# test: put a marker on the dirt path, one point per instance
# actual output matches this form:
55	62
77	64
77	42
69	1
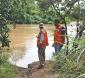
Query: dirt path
45	72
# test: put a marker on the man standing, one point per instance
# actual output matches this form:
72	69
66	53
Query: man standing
42	42
59	36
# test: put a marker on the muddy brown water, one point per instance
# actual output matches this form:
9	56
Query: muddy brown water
23	44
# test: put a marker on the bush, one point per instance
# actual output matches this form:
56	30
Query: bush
67	66
6	69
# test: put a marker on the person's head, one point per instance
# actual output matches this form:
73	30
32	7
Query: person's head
57	22
41	26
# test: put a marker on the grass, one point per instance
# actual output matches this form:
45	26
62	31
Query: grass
6	69
67	66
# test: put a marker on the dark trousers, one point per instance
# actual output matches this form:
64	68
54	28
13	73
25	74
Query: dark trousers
41	55
58	47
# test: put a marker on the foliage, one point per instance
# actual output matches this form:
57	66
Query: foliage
36	11
6	69
23	11
67	66
4	32
26	11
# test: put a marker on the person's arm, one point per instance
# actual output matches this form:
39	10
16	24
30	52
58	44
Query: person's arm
54	38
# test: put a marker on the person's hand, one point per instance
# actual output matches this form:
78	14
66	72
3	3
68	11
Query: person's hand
53	45
40	42
47	44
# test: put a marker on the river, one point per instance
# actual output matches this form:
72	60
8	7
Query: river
23	43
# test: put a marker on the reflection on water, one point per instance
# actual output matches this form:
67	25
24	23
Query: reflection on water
24	50
24	45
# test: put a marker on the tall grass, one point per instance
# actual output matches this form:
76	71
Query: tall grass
6	69
67	66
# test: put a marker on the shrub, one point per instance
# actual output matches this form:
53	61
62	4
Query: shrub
67	66
6	69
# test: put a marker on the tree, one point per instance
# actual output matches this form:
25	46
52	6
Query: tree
78	13
4	32
62	9
5	8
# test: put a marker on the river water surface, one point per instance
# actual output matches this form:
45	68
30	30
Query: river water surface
23	44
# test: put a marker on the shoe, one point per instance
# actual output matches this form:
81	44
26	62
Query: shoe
40	67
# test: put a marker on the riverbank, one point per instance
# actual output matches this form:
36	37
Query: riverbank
45	72
62	67
23	51
8	70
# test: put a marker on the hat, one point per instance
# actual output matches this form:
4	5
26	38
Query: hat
41	25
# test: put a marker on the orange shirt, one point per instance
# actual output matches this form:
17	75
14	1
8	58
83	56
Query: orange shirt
59	38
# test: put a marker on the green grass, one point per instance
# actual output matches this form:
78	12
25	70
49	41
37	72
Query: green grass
67	66
6	69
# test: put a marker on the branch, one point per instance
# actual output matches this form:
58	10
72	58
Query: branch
66	12
56	10
81	75
80	33
80	56
71	7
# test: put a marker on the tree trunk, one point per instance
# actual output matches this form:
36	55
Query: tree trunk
66	36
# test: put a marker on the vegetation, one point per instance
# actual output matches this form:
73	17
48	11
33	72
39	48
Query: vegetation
46	11
23	11
63	10
4	32
71	66
36	11
6	69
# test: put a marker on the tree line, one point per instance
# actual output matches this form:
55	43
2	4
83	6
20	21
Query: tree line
36	11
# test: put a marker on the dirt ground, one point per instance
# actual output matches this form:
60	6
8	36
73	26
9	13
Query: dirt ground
34	72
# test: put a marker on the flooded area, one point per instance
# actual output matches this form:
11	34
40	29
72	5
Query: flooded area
23	44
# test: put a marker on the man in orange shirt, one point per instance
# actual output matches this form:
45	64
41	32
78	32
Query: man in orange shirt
42	42
59	36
